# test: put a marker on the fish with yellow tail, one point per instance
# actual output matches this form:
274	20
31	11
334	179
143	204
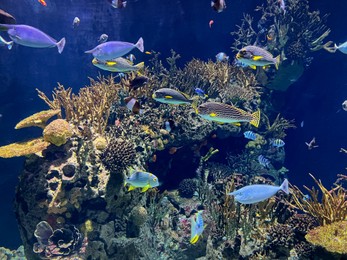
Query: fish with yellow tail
254	56
197	227
173	97
117	65
223	113
140	179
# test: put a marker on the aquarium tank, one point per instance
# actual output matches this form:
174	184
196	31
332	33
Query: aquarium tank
146	129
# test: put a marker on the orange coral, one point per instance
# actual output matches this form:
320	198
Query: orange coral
38	119
57	132
23	148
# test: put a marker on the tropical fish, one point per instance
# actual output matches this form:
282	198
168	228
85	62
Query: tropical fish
342	47
3	42
118	3
103	38
138	82
210	23
168	126
114	49
131	57
196	227
282	6
139	179
200	92
258	192
263	161
222	57
31	37
250	135
218	5
6	18
171	96
43	2
76	22
277	143
117	65
133	105
224	113
255	56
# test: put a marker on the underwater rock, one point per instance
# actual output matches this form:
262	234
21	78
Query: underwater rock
139	215
100	143
38	119
187	187
23	148
57	132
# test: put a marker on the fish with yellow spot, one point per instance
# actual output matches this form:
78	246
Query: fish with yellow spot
223	113
117	65
255	56
196	227
140	179
172	97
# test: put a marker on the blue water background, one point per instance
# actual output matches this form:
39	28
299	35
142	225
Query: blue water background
164	25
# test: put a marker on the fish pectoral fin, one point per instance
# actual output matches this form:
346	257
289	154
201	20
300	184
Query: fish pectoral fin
255	58
253	67
194	239
111	63
144	189
168	97
213	114
131	188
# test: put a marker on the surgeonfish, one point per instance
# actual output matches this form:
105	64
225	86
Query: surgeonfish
31	37
263	161
342	47
222	57
255	56
224	113
250	135
103	38
138	82
117	65
277	143
196	227
258	192
114	49
139	179
171	96
218	5
133	105
200	92
3	42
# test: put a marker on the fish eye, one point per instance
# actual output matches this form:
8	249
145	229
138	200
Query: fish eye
155	179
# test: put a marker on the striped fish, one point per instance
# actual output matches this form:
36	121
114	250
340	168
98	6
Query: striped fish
263	161
255	56
171	96
250	135
277	143
224	113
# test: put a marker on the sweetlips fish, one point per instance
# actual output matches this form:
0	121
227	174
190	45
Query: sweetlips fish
258	192
117	65
196	227
31	37
139	179
171	96
3	42
255	56
224	113
114	49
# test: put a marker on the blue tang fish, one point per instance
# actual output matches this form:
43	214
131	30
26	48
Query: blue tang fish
31	37
200	92
258	192
250	135
277	143
139	179
197	227
114	49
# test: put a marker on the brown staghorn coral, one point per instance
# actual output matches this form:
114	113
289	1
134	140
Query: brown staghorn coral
38	119
331	208
278	127
91	107
23	148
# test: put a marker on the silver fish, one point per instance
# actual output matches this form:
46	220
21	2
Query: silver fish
103	38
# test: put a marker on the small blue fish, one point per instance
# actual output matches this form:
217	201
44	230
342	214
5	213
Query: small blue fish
168	126
277	143
306	197
250	135
144	180
114	49
222	57
31	37
263	161
197	227
256	193
200	92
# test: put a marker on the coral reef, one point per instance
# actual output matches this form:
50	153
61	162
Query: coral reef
57	132
23	148
6	254
39	119
187	187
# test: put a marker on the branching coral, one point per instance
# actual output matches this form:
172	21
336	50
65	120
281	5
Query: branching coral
23	148
278	127
331	208
90	108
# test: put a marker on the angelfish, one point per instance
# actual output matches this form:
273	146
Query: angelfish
32	37
139	179
255	56
196	227
258	192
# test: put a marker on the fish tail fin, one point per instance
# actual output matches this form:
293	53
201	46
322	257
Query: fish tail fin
89	51
255	118
277	61
139	45
284	186
10	45
124	4
194	239
61	45
140	65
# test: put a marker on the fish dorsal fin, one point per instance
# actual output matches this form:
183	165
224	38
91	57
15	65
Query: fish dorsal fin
184	94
